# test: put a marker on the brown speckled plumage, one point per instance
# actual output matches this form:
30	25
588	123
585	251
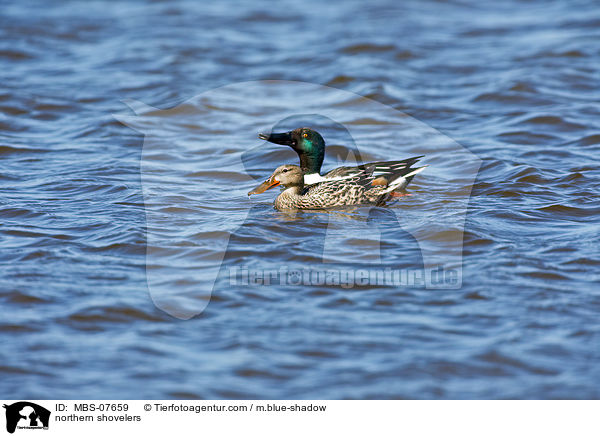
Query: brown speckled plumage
361	188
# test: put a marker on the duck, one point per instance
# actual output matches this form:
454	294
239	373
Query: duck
360	189
310	147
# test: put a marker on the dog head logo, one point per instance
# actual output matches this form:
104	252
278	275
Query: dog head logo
24	414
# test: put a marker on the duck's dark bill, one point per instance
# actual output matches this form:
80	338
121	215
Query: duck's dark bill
278	138
267	184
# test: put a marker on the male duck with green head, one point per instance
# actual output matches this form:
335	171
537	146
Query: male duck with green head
310	147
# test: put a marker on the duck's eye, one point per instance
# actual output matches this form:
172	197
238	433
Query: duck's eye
285	170
305	135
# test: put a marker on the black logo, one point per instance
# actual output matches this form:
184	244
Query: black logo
26	415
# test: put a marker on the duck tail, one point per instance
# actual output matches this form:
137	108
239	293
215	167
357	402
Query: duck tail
402	180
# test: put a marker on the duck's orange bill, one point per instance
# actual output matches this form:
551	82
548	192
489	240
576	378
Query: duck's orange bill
267	184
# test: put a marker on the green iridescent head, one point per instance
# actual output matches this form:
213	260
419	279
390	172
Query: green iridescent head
308	143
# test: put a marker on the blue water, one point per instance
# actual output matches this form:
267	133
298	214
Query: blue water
128	142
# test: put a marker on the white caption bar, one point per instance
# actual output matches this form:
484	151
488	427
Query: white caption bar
23	417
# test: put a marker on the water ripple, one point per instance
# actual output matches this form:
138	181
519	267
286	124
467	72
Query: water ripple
82	197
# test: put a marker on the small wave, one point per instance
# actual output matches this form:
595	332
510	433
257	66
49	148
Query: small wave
562	54
184	395
499	358
8	150
544	275
135	249
367	48
476	296
583	261
341	79
523	87
511	98
20	297
552	120
569	211
19	212
17	370
587	140
99	315
473	239
526	137
18	328
260	373
14	55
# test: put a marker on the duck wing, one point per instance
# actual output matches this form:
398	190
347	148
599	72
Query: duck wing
388	169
